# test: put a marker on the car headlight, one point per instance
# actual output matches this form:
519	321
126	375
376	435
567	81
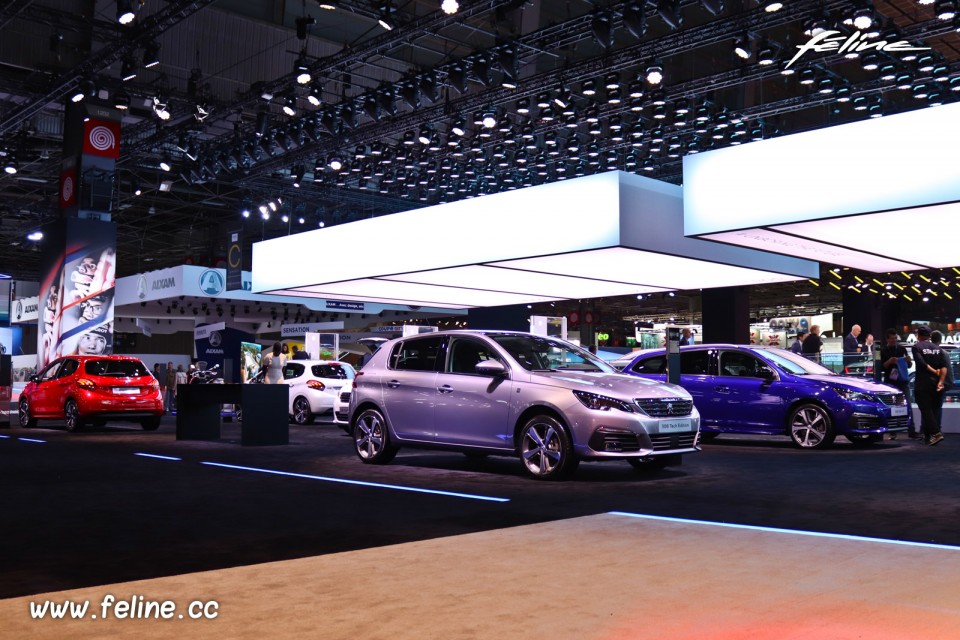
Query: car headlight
859	396
602	403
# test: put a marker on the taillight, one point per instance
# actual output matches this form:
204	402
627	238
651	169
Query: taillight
356	379
316	384
86	384
155	384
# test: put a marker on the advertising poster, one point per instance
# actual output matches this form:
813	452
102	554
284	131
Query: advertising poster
76	292
249	360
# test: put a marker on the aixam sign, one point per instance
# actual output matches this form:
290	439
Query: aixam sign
834	41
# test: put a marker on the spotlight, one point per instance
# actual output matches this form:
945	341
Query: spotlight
429	87
670	12
298	173
290	105
424	137
161	107
10	166
863	18
335	163
741	46
489	120
765	56
507	58
450	7
87	89
314	96
151	55
128	70
384	19
772	6
634	19
654	74
121	100
125	13
302	70
457	77
602	28
713	6
481	69
35	236
588	88
945	9
165	162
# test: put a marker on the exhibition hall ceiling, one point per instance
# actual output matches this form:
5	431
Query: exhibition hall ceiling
398	95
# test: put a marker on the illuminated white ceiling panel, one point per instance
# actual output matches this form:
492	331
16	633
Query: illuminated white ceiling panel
863	195
644	268
603	235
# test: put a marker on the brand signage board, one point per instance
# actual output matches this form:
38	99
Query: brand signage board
26	309
303	328
204	332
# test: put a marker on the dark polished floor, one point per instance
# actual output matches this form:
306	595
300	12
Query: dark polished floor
84	509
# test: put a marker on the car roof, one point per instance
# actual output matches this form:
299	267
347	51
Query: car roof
310	363
103	357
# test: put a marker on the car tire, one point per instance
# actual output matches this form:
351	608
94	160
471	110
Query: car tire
545	449
71	416
150	424
23	410
863	439
371	438
301	411
810	427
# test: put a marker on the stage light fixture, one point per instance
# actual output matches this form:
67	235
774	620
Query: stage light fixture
741	46
457	76
449	7
165	163
301	69
634	19
654	74
602	27
670	12
125	13
128	69
290	105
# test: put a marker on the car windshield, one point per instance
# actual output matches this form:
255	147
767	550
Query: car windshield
115	368
337	371
539	353
794	363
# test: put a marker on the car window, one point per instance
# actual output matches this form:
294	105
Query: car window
115	368
293	370
51	371
794	363
740	364
695	362
655	364
69	366
542	353
418	354
465	354
336	371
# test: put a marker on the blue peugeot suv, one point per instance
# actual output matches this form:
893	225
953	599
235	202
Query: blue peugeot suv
768	390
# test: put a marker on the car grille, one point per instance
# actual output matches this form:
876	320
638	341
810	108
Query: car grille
665	407
345	397
873	422
891	398
664	441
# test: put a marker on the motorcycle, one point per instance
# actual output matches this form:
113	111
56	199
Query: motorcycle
201	375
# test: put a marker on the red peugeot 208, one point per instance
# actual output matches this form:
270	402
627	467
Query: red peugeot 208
92	389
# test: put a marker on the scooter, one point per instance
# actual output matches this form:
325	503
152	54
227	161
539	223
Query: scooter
202	375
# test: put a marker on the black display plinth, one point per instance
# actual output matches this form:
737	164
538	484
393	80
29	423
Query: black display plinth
265	418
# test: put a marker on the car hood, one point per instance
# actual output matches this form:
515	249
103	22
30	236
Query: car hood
611	384
858	384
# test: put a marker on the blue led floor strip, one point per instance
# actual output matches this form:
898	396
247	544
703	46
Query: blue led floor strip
5	436
31	440
153	455
359	482
798	532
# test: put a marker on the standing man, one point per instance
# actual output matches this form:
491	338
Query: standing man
928	383
890	354
299	355
797	346
936	338
169	396
851	342
812	344
687	337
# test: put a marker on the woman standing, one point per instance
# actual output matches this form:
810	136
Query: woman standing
273	364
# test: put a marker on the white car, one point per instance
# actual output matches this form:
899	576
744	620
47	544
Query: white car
341	407
314	386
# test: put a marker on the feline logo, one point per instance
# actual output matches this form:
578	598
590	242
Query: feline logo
855	42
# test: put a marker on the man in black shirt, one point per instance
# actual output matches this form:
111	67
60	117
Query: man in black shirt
890	353
812	343
928	383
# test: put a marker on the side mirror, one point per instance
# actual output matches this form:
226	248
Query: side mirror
768	374
493	368
34	378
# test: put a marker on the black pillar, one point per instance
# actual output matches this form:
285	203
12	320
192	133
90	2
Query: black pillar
726	315
875	314
509	318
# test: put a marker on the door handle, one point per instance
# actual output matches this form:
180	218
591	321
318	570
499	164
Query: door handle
722	389
393	384
445	389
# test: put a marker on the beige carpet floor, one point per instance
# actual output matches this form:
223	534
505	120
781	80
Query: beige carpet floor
593	578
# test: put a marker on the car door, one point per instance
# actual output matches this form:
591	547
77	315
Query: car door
410	386
61	387
294	376
697	373
750	391
43	399
472	409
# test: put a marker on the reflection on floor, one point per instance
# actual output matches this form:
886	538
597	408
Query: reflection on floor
600	577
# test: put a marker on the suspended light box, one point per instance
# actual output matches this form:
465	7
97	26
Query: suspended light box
868	195
603	235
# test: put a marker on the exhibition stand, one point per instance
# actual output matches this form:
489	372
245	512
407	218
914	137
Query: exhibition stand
265	417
